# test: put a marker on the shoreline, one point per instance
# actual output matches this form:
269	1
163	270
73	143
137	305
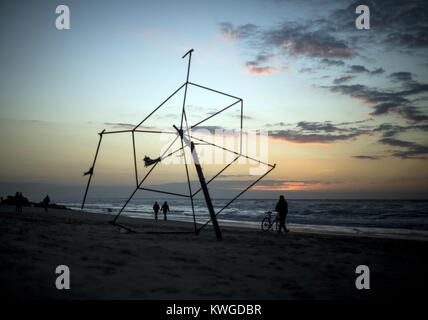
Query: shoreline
375	232
166	260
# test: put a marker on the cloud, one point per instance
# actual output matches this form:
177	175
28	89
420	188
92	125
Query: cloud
401	76
326	126
362	69
389	130
357	69
330	62
299	40
413	150
386	101
229	32
377	71
278	124
327	132
296	137
394	23
364	157
319	126
322	133
120	125
291	185
294	39
257	70
259	66
333	38
342	79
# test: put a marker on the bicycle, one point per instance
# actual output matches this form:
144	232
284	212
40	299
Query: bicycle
268	222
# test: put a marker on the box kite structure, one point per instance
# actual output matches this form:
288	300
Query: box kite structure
184	133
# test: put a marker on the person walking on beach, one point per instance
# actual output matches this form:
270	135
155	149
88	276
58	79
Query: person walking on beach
165	209
156	209
18	202
282	209
46	202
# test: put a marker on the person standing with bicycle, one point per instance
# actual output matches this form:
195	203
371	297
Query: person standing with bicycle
282	209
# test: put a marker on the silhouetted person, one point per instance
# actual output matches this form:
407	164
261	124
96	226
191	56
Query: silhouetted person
165	209
156	209
282	209
20	201
17	202
46	202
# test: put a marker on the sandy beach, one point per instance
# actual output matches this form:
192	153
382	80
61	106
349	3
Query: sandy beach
106	262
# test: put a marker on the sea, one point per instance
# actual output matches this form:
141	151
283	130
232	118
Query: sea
382	218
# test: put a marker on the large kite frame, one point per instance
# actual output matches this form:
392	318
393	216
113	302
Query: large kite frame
186	141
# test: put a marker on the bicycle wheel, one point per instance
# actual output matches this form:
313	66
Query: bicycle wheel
266	224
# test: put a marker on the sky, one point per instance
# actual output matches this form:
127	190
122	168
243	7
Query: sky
345	109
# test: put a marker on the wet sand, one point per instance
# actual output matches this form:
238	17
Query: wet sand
107	262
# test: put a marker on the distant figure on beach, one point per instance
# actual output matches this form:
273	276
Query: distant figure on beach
156	209
165	209
46	202
18	201
282	209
